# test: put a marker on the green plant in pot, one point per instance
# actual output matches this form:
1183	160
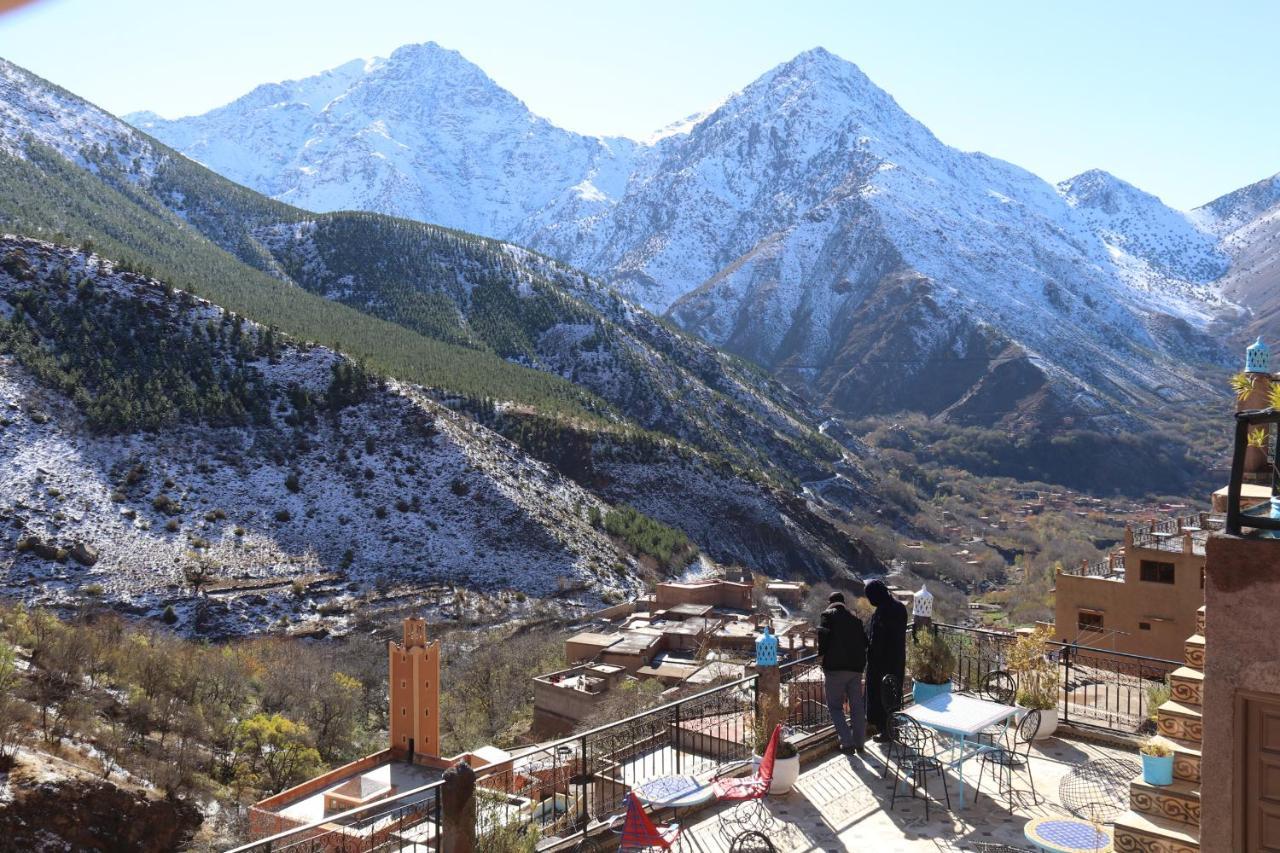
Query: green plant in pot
1039	681
932	663
1157	760
1255	453
786	761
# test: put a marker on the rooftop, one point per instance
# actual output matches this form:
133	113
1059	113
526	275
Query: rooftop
399	775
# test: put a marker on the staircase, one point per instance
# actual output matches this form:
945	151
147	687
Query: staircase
1166	819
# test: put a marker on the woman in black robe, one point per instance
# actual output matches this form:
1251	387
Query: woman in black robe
887	650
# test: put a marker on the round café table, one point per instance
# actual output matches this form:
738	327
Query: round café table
673	792
1067	835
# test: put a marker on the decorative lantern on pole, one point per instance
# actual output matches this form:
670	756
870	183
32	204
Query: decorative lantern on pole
768	684
921	609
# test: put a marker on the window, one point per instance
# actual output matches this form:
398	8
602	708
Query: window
1088	620
1156	572
1144	626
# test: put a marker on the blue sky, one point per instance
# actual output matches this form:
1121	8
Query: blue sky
1176	97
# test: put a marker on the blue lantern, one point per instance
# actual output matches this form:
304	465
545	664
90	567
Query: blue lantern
767	649
1257	358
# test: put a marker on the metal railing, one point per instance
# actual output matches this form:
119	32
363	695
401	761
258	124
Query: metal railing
1098	687
562	788
409	821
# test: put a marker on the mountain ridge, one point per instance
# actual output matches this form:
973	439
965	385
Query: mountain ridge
753	201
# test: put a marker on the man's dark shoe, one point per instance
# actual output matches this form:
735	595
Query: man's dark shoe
850	749
881	738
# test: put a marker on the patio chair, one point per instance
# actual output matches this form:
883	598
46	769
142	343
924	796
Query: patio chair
998	686
1005	760
915	760
1098	790
640	833
748	793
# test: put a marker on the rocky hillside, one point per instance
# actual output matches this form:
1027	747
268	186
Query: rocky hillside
160	452
808	223
535	350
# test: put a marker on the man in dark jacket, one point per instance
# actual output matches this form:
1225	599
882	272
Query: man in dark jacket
842	644
887	652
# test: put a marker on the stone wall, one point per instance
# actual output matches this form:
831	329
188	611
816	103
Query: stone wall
1242	652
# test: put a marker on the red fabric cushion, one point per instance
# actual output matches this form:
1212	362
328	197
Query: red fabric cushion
755	786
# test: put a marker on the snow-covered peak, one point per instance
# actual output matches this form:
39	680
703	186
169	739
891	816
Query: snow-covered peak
1138	224
1240	208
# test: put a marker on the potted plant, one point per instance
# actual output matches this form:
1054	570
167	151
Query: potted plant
932	663
786	761
1037	677
1157	761
1242	386
1255	454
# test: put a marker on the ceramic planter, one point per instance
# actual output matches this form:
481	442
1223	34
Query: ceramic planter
786	772
1157	769
921	692
1048	724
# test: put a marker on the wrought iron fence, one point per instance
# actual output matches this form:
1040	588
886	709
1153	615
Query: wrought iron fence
1111	690
409	821
804	695
563	788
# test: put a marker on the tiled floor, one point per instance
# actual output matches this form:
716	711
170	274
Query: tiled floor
842	803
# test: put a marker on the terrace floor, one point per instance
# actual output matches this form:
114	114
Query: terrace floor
842	803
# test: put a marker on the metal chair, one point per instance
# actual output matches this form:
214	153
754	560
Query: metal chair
640	833
914	761
1098	790
748	793
998	686
1006	759
752	842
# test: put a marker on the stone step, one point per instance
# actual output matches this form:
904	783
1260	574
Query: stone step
1136	831
1180	721
1187	685
1179	801
1186	760
1200	620
1193	652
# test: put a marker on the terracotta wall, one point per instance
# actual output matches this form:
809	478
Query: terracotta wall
1126	606
1242	652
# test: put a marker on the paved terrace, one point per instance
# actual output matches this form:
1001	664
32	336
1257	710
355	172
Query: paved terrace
842	803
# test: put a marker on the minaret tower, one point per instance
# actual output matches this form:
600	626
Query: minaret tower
414	681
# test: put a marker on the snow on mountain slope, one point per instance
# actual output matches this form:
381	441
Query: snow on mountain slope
394	489
422	134
31	109
1153	246
1248	222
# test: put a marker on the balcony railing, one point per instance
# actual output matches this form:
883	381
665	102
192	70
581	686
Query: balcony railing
1100	688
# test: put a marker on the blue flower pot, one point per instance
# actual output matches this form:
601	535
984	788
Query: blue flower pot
921	692
1157	769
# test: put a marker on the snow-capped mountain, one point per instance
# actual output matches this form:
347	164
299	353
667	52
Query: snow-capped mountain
800	223
422	134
